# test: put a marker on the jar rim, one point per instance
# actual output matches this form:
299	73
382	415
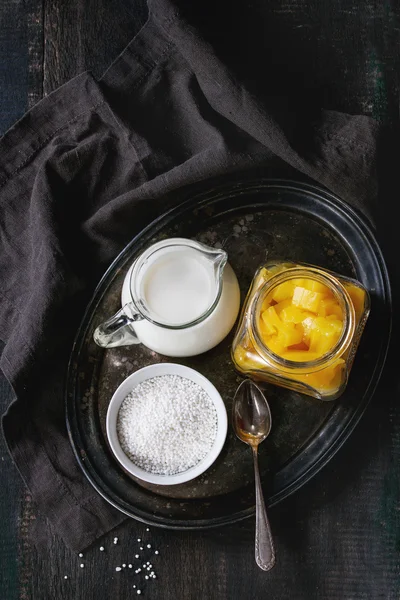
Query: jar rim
345	302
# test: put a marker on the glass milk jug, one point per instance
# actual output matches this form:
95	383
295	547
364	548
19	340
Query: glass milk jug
179	298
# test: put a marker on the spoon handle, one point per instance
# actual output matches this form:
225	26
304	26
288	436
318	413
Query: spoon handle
264	551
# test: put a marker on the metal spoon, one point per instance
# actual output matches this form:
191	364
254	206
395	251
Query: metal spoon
252	423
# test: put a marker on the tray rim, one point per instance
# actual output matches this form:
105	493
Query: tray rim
230	188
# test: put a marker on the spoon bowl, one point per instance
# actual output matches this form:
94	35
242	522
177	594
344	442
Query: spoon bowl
252	422
251	414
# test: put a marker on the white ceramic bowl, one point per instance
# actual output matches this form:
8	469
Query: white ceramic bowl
147	373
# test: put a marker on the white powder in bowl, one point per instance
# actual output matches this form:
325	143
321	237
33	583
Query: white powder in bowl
167	424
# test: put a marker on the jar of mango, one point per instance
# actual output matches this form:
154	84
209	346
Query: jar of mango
300	327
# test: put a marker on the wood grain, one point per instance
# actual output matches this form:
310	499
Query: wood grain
10	493
340	55
21	77
21	66
87	35
34	24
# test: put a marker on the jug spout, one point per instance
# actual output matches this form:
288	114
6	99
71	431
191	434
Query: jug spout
220	260
217	258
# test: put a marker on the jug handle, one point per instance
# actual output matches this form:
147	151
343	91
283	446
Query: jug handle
118	330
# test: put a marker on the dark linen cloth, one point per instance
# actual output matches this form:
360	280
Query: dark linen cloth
85	170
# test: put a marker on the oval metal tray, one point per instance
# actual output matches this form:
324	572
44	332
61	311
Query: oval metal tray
253	220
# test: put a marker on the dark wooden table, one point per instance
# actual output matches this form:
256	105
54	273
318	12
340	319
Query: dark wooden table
338	538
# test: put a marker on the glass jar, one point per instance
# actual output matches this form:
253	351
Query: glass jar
324	376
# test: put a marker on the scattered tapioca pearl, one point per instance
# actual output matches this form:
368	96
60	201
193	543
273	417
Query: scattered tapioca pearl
146	568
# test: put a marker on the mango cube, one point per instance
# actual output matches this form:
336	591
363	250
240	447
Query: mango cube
282	291
315	286
289	335
303	298
266	304
271	320
308	325
330	306
282	305
264	330
324	335
276	345
291	314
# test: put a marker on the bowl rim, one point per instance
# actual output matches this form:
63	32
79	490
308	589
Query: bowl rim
155	370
